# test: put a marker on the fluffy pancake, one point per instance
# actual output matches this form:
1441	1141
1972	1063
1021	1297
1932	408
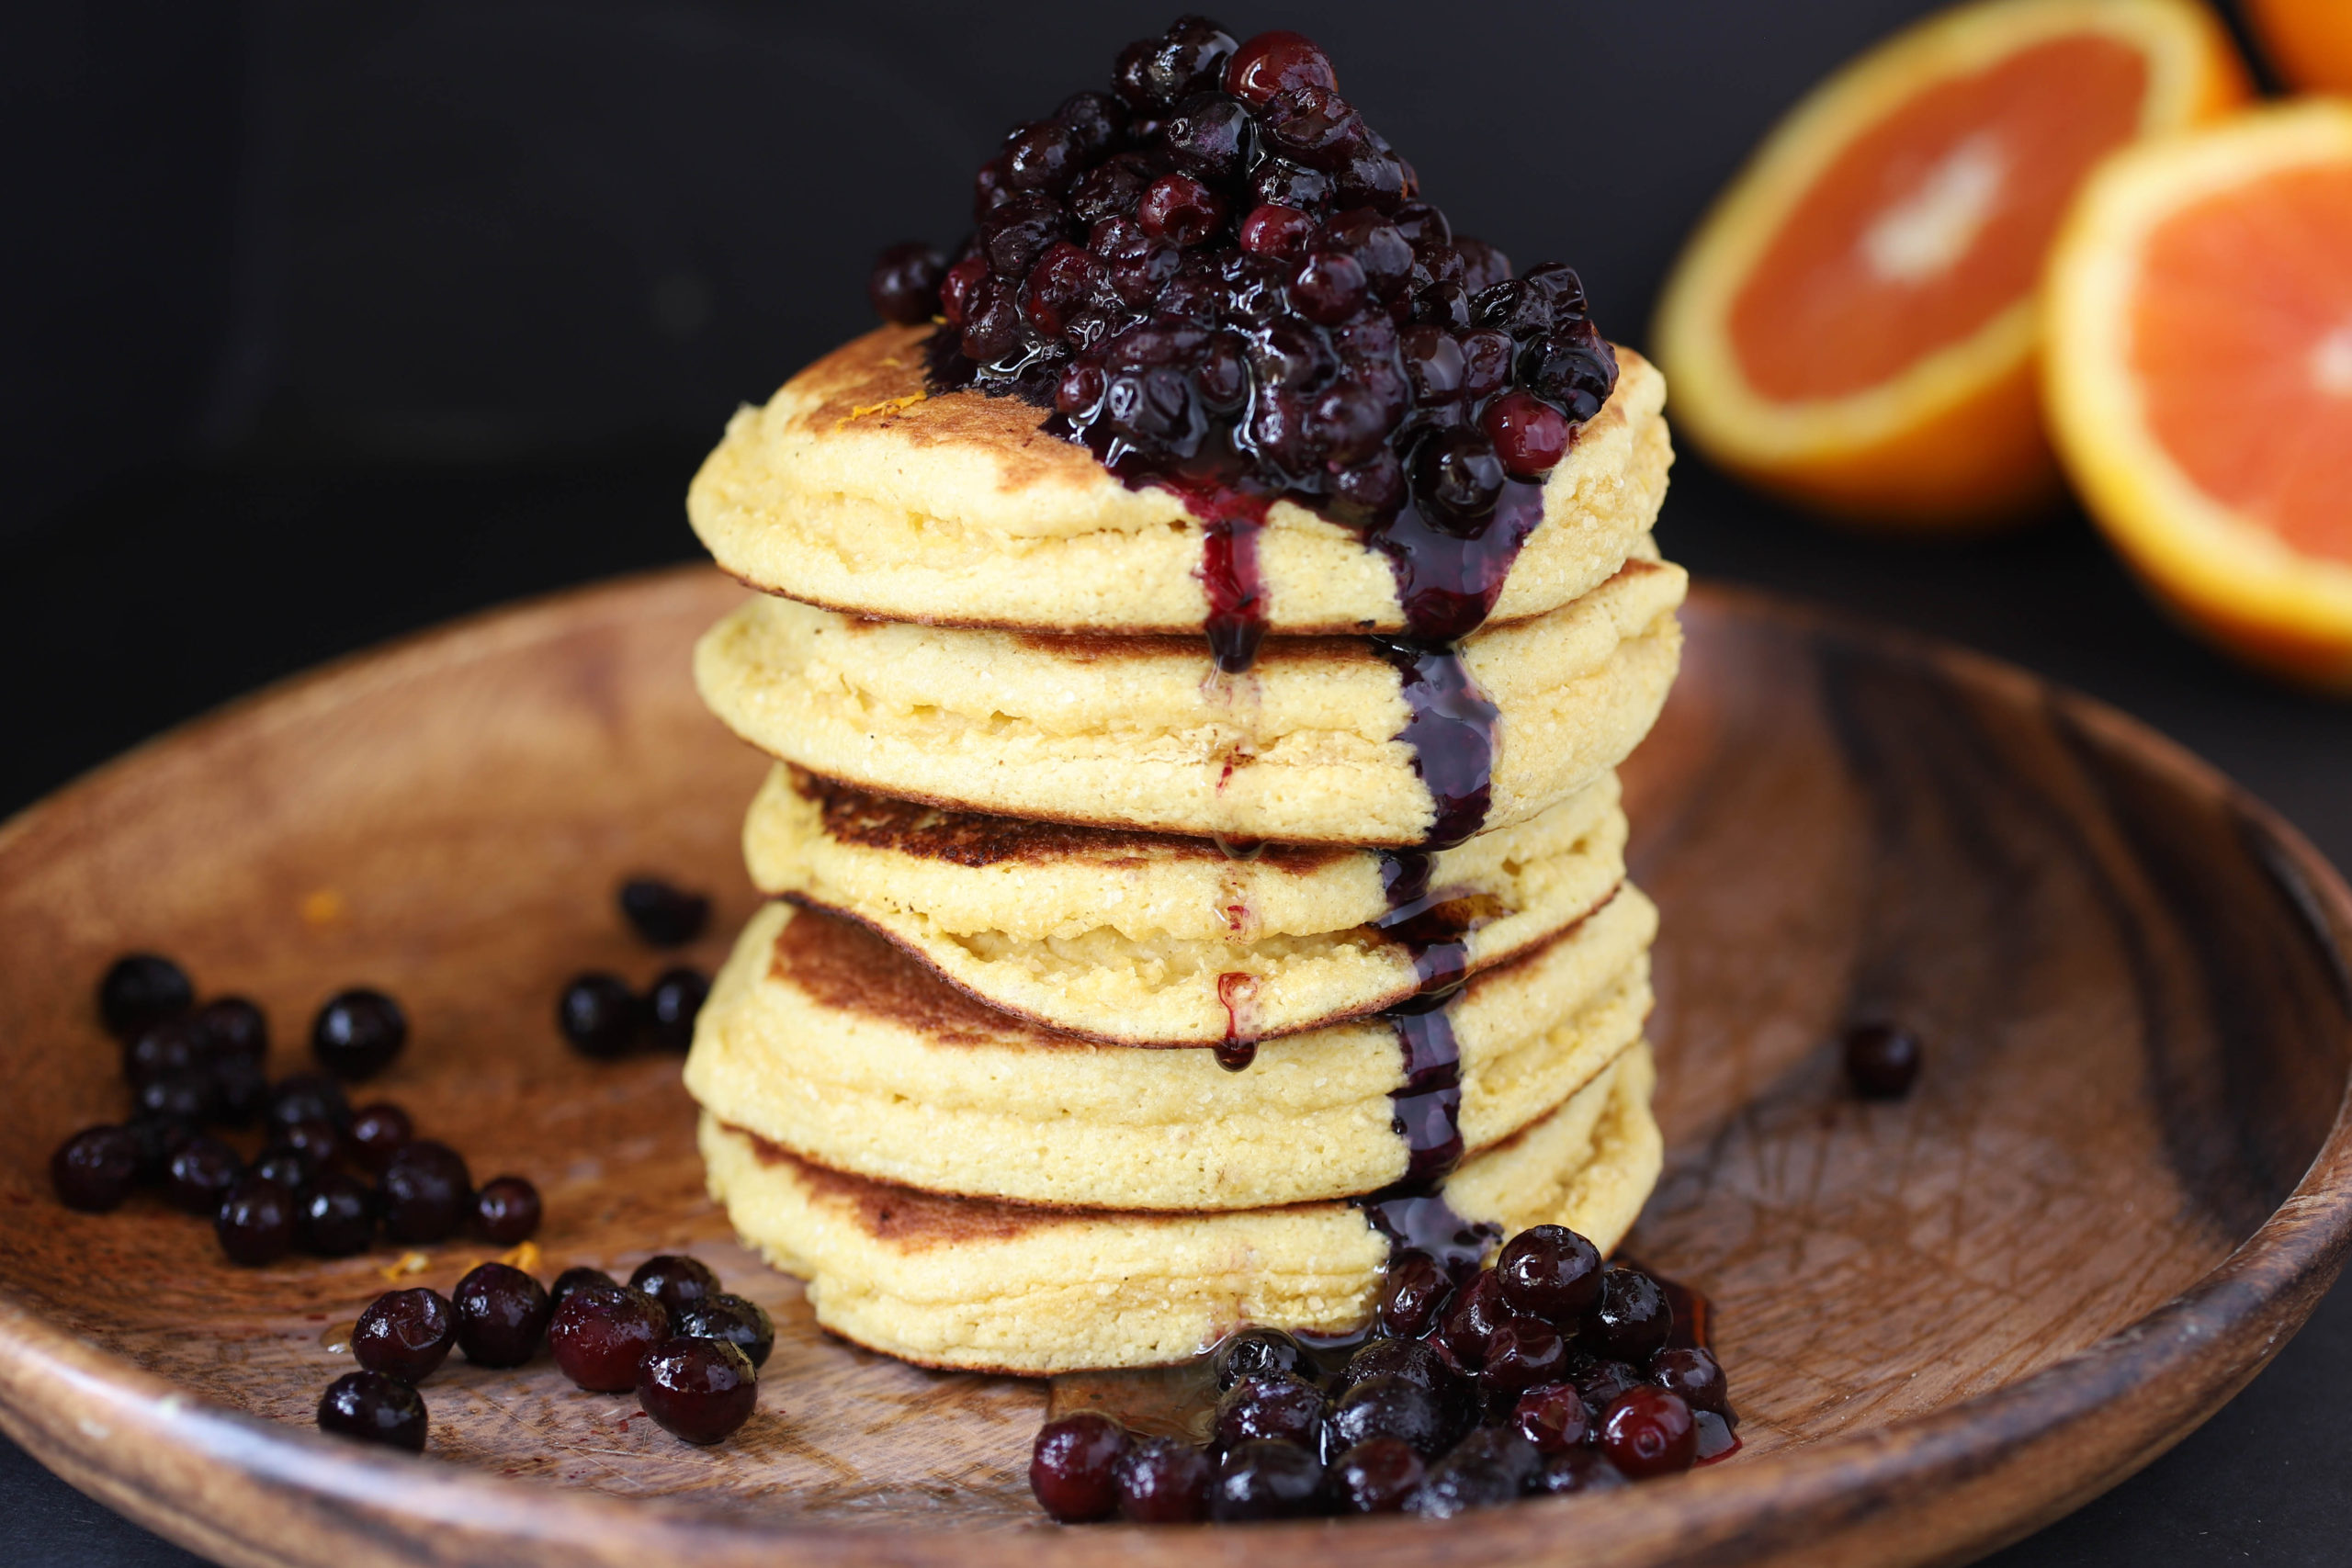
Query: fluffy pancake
1141	733
1154	939
998	1286
958	510
827	1041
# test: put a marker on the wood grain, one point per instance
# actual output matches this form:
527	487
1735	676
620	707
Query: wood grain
2123	1181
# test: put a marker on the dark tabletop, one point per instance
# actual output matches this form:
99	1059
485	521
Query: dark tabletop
391	320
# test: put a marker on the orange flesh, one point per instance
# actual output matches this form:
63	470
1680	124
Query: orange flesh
1816	320
2242	346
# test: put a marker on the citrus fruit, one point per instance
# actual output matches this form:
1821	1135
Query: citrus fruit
2310	41
2199	378
1853	324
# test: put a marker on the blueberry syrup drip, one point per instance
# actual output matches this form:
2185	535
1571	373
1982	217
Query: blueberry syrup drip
1448	576
1426	1107
1233	992
1237	618
1450	728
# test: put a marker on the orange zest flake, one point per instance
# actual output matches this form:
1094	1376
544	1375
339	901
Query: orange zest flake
526	1258
888	405
405	1264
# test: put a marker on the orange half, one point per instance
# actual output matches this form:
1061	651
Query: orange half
2310	41
1853	324
2199	378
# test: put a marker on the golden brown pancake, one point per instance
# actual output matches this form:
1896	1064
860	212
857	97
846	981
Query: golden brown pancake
990	1286
1143	733
828	1041
1159	939
856	490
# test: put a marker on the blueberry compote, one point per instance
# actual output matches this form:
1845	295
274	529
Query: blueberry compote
1224	282
1548	1371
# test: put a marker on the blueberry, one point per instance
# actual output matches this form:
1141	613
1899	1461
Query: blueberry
358	1034
142	989
374	1408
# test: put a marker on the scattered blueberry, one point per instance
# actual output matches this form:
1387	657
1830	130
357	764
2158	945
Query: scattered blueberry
1378	1476
95	1169
677	1283
158	1139
1280	1405
671	1006
335	1215
231	1028
600	1015
1552	1416
1648	1431
405	1334
424	1193
1550	1272
601	1334
140	989
1881	1060
374	1408
1163	1481
1695	1375
1486	1469
1415	1291
1394	1407
309	1097
198	1174
698	1390
575	1278
506	1210
312	1138
1632	1318
1073	1466
358	1034
255	1221
187	1095
1255	1353
291	1167
502	1315
378	1131
742	1324
1266	1479
662	915
167	1046
1577	1470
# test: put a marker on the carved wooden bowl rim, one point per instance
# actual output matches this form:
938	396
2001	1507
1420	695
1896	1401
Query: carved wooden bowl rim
1945	1486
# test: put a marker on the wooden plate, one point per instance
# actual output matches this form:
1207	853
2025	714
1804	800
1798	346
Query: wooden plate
2122	1183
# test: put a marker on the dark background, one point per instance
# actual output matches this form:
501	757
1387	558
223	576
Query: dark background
323	323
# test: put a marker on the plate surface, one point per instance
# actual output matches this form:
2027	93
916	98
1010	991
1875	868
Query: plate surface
2123	1181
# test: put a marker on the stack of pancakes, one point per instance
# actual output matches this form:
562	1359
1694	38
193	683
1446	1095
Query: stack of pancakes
1108	1000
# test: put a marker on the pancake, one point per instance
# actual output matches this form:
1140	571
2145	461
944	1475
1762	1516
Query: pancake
998	1286
1141	733
827	1041
957	510
1155	940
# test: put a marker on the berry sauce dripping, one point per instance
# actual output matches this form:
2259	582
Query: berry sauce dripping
1235	1053
1426	1107
1450	728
